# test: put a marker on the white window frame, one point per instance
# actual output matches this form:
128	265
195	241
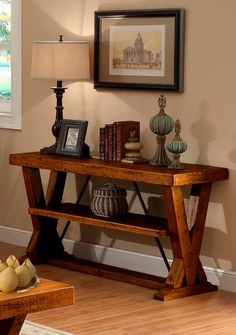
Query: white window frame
12	119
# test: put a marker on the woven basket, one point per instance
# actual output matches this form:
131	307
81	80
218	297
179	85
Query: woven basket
109	201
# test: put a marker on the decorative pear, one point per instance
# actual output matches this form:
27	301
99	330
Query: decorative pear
12	261
31	267
3	266
8	280
23	274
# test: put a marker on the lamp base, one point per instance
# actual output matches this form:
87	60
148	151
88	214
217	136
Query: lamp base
85	153
49	150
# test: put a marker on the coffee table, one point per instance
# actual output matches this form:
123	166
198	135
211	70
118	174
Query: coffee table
15	306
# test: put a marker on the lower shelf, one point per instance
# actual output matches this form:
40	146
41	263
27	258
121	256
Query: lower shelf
133	223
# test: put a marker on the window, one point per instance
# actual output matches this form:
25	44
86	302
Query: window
10	64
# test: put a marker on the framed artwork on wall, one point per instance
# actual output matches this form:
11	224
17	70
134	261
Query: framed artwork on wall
71	138
139	49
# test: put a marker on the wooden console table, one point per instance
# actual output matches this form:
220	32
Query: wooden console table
14	307
186	275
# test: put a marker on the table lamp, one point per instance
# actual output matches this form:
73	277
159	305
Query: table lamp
60	60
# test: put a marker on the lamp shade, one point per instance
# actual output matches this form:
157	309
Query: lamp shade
67	60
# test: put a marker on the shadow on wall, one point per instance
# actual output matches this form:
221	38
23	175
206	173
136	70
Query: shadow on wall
205	132
219	235
223	239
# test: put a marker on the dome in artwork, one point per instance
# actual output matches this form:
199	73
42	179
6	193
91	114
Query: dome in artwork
138	40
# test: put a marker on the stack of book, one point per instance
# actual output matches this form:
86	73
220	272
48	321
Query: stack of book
113	137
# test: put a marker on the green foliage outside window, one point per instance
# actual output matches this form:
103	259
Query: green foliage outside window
5	20
5	54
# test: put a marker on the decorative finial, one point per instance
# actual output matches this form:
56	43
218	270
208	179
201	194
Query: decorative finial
177	128
177	146
161	124
162	102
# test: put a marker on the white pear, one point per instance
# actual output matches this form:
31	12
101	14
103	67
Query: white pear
12	261
8	280
31	267
24	275
3	266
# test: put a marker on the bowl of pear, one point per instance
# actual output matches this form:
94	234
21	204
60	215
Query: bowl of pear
15	277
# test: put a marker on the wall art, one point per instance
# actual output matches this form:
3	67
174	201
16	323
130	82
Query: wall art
140	49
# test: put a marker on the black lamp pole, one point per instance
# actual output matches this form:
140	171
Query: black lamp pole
59	91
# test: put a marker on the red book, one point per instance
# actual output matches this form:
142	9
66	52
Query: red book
106	142
123	129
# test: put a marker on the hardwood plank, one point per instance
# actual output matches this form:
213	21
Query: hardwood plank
108	307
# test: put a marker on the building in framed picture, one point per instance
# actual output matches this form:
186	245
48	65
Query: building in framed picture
137	50
138	56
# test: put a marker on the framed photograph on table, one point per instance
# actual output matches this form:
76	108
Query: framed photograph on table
141	49
71	138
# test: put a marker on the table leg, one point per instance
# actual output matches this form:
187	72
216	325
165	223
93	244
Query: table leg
186	275
203	192
45	241
12	326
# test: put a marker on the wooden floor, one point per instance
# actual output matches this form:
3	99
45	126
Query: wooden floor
107	307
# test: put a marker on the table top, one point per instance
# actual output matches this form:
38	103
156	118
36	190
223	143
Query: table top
191	174
47	294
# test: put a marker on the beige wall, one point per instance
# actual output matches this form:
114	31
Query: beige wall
207	110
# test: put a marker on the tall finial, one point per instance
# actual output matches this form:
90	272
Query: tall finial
162	103
161	124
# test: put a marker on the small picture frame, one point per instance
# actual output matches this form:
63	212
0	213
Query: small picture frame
71	138
139	49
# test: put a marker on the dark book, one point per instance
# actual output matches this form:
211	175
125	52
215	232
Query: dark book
114	142
110	142
108	138
123	129
106	142
101	143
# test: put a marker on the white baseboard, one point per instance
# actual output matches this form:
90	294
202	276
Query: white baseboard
121	258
